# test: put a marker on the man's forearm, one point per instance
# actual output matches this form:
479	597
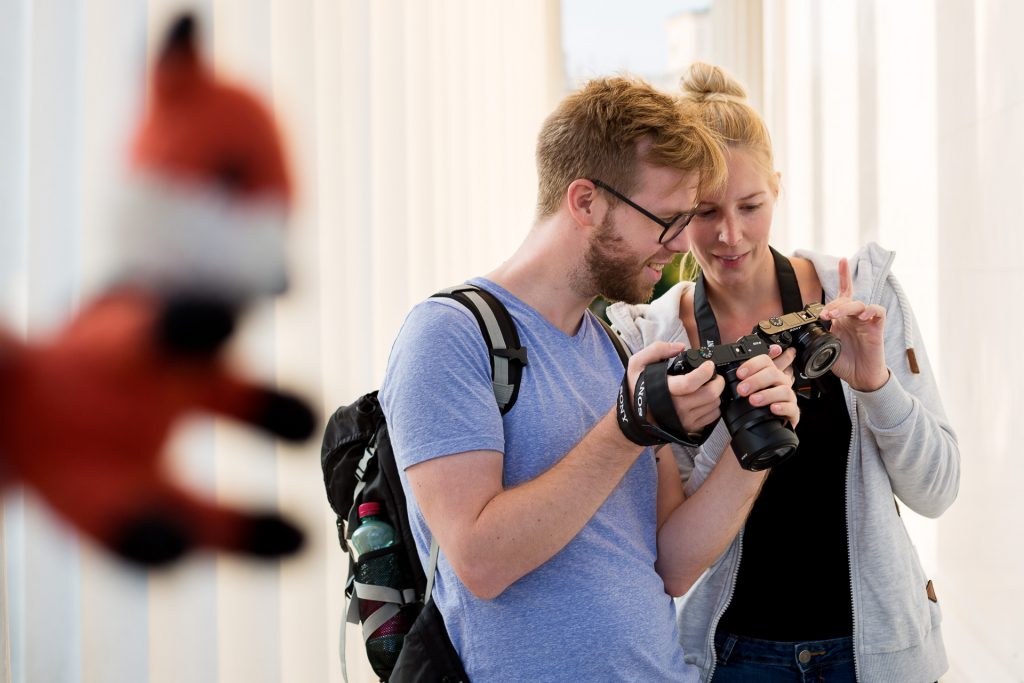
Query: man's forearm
522	527
701	528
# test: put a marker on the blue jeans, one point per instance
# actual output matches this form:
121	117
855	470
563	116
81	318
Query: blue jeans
748	660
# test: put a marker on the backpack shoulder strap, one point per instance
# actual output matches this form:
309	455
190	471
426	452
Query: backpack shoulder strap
508	357
620	346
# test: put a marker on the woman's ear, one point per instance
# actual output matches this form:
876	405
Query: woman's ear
778	183
584	206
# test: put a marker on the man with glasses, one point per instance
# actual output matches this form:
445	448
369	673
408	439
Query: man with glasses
561	535
670	228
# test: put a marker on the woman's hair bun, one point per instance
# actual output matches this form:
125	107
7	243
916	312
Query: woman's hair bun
708	83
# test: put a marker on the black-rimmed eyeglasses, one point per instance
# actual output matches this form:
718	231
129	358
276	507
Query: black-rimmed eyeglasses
670	229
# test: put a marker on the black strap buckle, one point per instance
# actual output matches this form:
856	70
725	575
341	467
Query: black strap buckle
518	354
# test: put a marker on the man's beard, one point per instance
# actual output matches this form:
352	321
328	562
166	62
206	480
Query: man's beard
610	271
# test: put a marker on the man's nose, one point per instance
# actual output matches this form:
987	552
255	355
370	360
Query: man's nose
679	243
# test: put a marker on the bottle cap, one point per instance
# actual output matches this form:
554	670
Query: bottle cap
367	509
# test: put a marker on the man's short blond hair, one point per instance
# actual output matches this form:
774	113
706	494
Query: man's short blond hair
596	132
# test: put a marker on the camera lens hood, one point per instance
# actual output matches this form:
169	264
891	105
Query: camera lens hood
759	438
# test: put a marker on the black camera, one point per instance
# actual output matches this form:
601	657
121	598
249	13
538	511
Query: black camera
759	438
816	348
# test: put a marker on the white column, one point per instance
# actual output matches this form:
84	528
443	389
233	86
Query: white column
15	79
737	43
49	647
980	96
935	143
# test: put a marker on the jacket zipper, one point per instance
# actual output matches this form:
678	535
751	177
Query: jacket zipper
721	612
876	294
854	438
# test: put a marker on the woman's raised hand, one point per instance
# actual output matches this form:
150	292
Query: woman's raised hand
860	327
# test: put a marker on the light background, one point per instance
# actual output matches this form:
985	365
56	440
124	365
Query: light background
411	125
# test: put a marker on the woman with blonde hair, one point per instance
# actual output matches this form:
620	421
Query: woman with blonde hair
822	583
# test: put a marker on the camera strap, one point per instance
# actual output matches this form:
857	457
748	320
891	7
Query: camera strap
707	325
634	426
651	394
789	291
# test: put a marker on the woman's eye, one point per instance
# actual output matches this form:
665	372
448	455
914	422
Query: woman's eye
704	213
750	207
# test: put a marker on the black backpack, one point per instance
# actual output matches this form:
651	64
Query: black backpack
359	466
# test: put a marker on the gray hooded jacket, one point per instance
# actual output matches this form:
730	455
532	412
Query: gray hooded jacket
901	446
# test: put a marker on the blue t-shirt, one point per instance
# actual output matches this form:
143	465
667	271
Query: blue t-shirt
597	610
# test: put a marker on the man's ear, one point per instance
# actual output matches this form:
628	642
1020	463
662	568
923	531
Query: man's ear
585	206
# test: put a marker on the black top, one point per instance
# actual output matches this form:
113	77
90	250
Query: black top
794	576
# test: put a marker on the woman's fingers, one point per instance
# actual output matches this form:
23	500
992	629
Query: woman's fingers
843	308
871	312
766	384
845	281
784	361
773	394
787	410
759	373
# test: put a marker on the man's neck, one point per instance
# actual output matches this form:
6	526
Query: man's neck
539	273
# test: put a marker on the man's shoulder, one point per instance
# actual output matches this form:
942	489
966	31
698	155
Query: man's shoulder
438	317
437	330
437	394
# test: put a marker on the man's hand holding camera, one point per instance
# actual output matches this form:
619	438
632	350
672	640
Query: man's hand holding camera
696	395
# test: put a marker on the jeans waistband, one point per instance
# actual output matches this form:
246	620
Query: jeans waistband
801	655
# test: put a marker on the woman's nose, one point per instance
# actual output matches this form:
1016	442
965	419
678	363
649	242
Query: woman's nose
729	232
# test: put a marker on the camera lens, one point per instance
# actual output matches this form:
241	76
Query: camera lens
767	458
820	362
759	438
817	349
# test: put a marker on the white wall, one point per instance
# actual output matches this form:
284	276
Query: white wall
901	122
981	221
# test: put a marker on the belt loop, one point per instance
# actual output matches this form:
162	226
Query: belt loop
725	651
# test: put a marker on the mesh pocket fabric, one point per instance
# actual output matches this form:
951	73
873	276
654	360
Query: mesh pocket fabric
385	568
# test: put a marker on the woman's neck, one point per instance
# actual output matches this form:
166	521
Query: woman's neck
740	306
757	296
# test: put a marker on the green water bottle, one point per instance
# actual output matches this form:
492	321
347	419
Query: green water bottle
373	533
